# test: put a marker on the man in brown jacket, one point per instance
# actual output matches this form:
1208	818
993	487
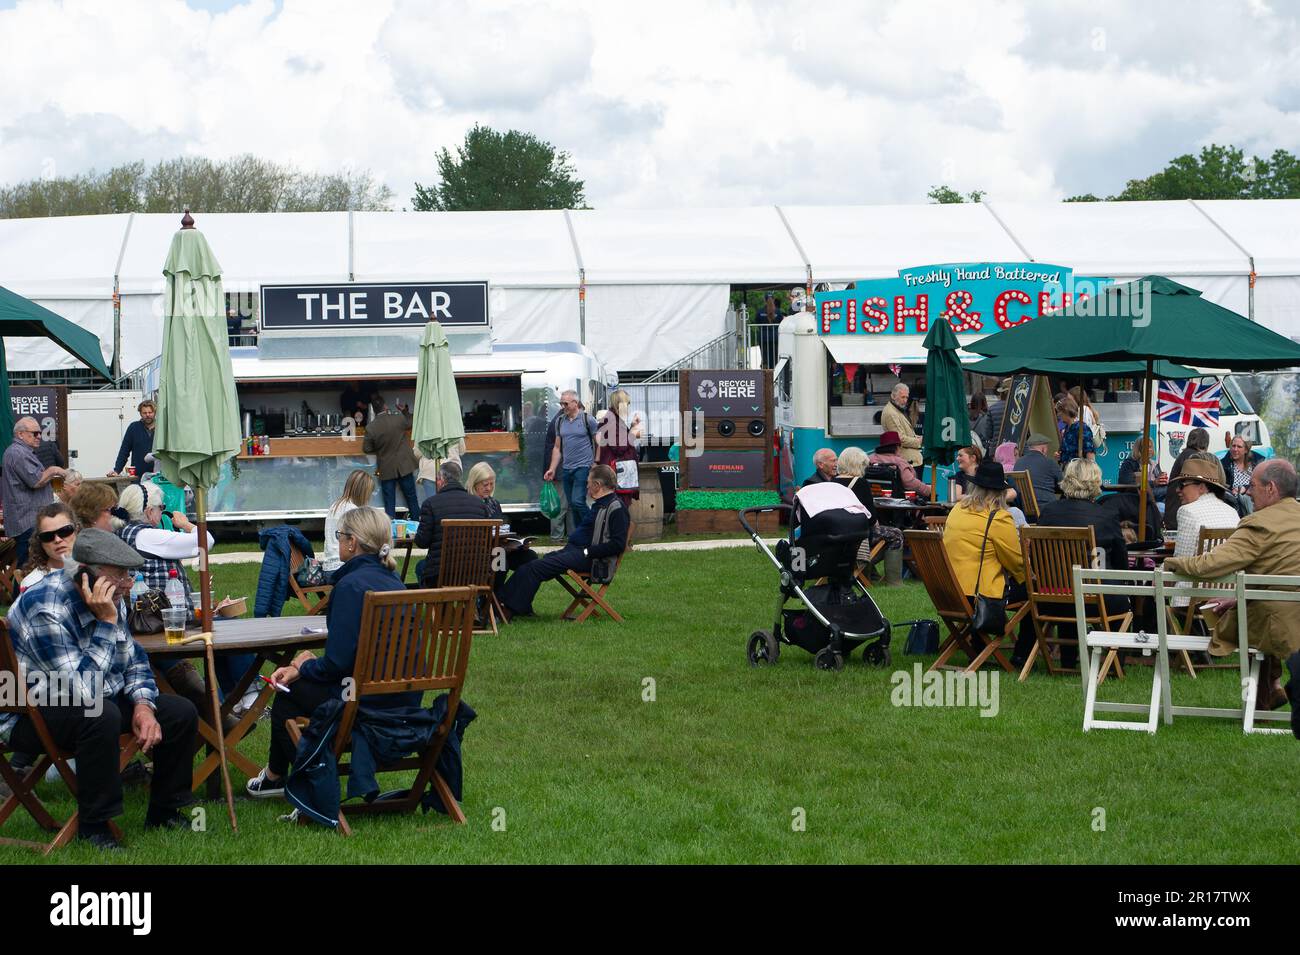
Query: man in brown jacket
1265	542
894	418
388	441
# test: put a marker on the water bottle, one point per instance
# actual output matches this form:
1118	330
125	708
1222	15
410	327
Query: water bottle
138	589
175	590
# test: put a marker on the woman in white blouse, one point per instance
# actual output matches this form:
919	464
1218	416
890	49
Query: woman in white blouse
357	491
1200	488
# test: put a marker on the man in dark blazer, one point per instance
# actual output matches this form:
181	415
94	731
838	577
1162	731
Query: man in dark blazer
452	502
388	440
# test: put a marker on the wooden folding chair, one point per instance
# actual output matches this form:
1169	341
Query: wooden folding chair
1026	500
9	577
954	607
935	522
1051	554
23	788
587	600
411	640
314	599
465	560
867	561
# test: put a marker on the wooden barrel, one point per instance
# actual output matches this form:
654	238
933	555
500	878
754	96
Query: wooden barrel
647	511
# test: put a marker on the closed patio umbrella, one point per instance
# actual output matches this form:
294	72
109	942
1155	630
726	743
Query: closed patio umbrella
947	425
197	429
437	426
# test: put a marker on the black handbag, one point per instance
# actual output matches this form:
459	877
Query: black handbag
922	638
145	613
990	615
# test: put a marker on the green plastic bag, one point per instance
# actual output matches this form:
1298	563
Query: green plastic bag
550	501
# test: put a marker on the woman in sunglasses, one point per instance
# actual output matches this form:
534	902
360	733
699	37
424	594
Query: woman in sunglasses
56	532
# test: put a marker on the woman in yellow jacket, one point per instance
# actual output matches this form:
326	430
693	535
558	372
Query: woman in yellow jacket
965	541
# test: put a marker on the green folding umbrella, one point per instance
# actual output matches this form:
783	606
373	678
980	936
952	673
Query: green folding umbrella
947	425
197	428
21	318
437	427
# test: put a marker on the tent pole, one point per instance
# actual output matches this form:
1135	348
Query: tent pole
205	575
1146	453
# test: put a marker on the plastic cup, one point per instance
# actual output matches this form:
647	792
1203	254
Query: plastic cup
174	624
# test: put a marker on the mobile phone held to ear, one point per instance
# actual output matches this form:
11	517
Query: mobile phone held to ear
86	577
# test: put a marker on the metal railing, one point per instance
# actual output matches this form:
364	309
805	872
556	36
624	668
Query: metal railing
763	338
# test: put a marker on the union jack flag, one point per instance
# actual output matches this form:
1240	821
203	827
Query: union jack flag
1187	402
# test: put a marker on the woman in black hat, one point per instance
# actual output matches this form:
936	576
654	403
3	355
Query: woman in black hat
983	545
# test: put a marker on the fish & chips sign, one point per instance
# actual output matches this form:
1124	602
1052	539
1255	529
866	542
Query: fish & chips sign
976	299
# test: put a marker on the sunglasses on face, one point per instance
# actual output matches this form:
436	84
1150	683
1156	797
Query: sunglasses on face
45	537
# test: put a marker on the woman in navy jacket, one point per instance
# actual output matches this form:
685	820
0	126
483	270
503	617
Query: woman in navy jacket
365	543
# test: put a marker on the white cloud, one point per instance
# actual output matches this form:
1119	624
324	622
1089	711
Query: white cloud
675	103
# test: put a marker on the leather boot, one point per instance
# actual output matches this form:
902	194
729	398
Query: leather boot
893	567
1271	694
187	682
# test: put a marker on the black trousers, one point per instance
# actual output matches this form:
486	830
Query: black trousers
93	742
514	560
518	592
301	700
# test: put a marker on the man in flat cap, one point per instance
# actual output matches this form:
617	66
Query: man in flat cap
70	629
1044	473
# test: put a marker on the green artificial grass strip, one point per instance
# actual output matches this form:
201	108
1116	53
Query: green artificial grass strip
654	741
725	500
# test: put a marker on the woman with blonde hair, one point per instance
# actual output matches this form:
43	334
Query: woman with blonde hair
365	545
617	441
983	545
850	468
1067	413
482	482
72	481
357	492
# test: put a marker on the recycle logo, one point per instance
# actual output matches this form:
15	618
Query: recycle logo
707	389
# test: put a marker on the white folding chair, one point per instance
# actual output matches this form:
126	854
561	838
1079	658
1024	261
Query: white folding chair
1157	585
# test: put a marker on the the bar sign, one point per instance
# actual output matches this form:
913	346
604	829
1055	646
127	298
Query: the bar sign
372	307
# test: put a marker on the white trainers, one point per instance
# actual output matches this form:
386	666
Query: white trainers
259	787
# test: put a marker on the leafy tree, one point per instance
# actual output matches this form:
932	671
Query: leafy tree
1085	197
510	170
1220	172
945	194
241	184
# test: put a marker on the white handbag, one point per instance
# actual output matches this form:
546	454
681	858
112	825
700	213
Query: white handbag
627	476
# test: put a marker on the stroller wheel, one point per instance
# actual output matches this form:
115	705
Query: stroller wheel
877	655
828	659
763	648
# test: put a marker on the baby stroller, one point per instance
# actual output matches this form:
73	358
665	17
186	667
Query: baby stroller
827	523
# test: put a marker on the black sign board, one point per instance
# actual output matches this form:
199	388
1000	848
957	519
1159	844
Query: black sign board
729	469
370	308
48	404
728	394
1015	419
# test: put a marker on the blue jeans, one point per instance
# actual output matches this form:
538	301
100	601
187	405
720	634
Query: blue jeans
574	482
427	490
231	668
389	491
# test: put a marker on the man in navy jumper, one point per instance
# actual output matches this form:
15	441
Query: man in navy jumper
137	443
518	591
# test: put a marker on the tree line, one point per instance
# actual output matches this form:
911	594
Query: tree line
513	170
1219	172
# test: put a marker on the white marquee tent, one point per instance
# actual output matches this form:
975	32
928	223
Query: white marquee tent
657	281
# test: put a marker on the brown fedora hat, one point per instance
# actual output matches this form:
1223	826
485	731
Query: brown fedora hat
1202	471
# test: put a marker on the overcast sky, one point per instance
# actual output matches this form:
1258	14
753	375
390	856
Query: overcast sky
663	103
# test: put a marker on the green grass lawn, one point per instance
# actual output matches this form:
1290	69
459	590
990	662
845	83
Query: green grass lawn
723	762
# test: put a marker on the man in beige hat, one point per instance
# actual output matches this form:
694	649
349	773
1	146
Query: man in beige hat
1265	542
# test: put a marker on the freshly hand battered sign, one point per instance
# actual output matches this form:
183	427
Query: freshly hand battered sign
974	298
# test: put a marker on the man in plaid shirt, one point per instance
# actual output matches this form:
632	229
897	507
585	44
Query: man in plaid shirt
65	627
